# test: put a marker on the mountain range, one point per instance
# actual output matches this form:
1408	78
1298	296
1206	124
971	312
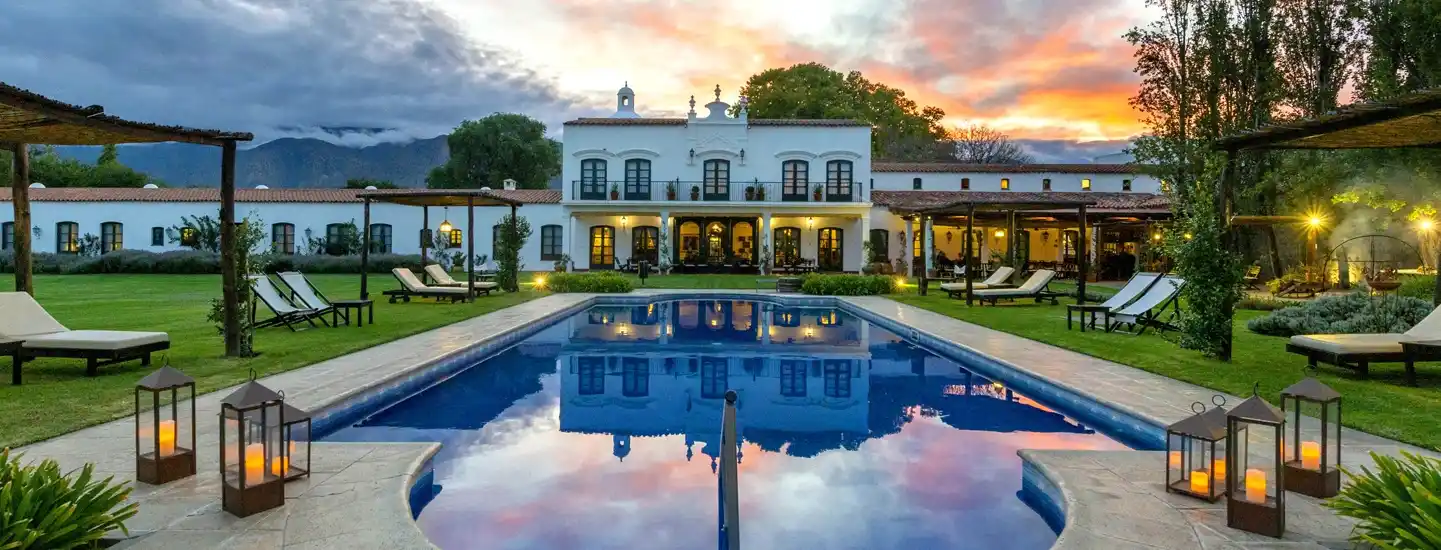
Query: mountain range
309	162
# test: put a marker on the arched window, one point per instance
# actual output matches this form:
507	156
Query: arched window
795	179
337	239
788	245
1125	185
67	238
839	180
7	236
637	180
112	237
965	184
282	238
592	179
1046	184
157	236
602	247
380	238
717	180
644	241
830	256
880	246
550	243
916	184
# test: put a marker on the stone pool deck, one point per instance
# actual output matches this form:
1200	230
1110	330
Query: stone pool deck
357	497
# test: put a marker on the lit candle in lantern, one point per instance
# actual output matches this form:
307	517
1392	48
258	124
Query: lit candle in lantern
1176	459
280	465
1200	481
1218	468
254	463
167	437
1310	455
1255	485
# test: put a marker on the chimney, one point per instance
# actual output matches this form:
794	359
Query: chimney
509	184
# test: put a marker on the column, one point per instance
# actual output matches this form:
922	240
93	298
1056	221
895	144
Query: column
866	236
574	237
765	240
667	254
908	250
928	246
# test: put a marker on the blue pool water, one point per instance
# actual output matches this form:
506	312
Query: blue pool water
602	431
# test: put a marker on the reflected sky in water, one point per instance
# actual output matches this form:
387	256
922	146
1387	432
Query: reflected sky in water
602	431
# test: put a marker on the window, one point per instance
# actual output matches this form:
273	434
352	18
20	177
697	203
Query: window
880	245
157	236
67	238
282	238
965	183
637	180
828	250
635	377
643	242
591	373
602	247
795	178
788	245
112	237
716	186
1046	184
7	236
337	239
838	378
1125	185
916	184
550	243
380	238
712	377
1086	184
838	180
793	378
592	179
1005	184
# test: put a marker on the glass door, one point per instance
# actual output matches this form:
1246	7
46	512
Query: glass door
829	250
602	247
643	244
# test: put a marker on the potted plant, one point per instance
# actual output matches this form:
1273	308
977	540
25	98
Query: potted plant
561	263
760	193
614	192
695	192
670	190
750	193
817	193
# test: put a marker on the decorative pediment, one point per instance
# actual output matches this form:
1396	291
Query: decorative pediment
839	155
593	153
795	155
638	153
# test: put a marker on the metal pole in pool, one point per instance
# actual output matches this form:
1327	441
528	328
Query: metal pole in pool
730	497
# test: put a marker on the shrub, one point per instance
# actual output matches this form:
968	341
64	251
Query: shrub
1398	505
1354	313
41	508
596	281
1261	303
847	285
379	263
1421	287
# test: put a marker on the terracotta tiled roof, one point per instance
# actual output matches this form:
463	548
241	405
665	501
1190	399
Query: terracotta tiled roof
1103	201
957	167
211	194
681	122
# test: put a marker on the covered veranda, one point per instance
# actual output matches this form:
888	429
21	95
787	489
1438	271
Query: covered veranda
468	199
28	118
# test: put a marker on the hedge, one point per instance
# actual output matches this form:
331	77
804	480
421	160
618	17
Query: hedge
847	285
597	281
1354	313
196	262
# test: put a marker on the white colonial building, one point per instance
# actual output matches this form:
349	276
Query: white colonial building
710	192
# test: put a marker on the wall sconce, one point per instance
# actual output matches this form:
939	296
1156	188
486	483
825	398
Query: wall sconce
743	156
810	223
624	221
692	155
1045	237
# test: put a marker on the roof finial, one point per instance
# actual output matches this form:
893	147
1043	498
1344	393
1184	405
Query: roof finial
627	84
717	92
692	104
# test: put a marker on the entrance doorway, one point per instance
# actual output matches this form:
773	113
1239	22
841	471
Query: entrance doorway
716	245
602	247
830	256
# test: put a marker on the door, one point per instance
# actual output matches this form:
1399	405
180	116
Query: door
717	184
829	250
602	247
643	241
592	179
840	177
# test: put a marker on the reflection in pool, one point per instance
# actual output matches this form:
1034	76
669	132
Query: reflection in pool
602	431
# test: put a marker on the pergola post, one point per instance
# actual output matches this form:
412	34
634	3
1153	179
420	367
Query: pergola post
514	230
228	277
470	249
424	242
365	254
1011	245
1083	254
1228	241
20	201
970	244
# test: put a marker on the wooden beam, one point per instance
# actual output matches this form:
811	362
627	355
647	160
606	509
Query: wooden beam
20	201
970	249
1083	257
230	295
90	117
470	248
424	243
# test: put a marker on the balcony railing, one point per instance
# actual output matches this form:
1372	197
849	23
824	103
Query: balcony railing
702	191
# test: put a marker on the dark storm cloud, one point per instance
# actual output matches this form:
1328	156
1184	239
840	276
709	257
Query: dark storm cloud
272	67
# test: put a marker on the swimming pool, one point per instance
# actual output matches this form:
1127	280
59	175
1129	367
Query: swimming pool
602	431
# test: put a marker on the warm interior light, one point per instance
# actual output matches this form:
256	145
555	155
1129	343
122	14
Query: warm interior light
1187	236
1000	233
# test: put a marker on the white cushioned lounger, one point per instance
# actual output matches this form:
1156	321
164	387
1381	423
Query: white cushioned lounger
23	318
1031	287
413	284
1371	344
1001	275
443	279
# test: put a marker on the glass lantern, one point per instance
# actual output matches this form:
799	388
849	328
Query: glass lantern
164	433
289	460
1312	465
249	449
1255	477
1195	448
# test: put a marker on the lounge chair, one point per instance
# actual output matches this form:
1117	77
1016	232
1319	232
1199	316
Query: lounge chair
1253	277
1034	287
22	318
303	293
443	279
1358	351
286	312
410	285
1151	309
1138	285
996	280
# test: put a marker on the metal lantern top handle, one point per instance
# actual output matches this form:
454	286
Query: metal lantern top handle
1218	400
1256	389
1309	370
1198	407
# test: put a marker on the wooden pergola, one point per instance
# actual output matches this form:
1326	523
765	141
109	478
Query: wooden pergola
27	118
1408	121
426	198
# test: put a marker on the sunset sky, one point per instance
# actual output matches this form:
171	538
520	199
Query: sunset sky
1055	70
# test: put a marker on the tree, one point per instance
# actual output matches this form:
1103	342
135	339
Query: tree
108	155
1319	50
486	152
362	183
904	130
982	144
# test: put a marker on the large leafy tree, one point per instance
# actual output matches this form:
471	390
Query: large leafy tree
904	129
486	152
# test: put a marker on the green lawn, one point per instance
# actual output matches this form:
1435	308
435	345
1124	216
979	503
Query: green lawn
1380	405
57	397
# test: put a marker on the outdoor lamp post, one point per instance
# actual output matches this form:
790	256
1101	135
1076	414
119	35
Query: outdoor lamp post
160	431
248	450
1311	466
1255	478
1193	465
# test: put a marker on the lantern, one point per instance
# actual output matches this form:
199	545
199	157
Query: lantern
1194	467
248	450
294	462
427	238
445	226
1255	478
163	431
1311	465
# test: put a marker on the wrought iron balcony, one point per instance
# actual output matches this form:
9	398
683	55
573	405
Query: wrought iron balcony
715	191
